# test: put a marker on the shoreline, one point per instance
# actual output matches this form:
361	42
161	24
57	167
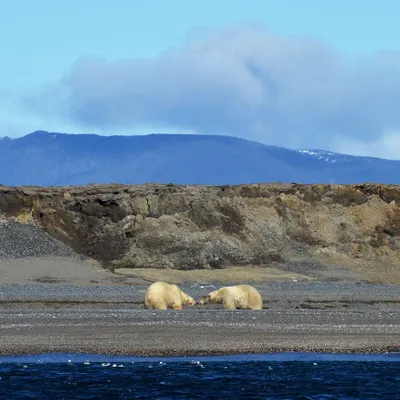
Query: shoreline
328	351
192	332
62	305
287	356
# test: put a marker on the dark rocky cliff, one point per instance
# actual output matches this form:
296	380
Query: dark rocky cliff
191	227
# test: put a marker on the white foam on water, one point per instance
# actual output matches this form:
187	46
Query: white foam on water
106	360
198	363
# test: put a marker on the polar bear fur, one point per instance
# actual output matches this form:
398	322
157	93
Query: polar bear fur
233	297
162	295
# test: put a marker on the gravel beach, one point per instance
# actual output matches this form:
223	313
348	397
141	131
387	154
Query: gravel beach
197	332
312	317
53	300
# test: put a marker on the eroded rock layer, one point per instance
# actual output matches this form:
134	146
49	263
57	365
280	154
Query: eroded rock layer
191	227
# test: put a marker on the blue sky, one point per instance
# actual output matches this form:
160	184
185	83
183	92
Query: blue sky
292	73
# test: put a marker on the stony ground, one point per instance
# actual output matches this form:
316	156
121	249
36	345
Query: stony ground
284	295
51	299
25	240
206	332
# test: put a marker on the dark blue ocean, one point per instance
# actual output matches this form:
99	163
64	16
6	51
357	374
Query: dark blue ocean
274	376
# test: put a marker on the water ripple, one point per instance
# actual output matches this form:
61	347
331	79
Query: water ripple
298	376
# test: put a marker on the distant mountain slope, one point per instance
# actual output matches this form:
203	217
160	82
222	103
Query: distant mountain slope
44	158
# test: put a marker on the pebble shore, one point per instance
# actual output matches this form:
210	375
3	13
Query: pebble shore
53	300
190	333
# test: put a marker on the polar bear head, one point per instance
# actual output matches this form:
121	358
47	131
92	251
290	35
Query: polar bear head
188	300
212	297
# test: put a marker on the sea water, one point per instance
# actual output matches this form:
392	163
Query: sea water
271	376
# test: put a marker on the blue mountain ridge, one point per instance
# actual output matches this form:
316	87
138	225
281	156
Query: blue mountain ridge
47	158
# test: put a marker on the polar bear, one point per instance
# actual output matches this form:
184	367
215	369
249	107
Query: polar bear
162	295
233	297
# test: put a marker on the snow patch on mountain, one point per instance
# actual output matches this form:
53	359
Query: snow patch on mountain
327	156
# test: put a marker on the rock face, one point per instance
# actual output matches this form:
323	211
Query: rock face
191	227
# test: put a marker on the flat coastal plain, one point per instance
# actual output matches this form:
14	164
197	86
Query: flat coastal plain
53	300
69	304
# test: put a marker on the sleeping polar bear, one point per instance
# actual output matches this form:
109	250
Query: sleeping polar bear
233	297
161	296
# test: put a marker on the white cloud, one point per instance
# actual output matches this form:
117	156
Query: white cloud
244	81
385	146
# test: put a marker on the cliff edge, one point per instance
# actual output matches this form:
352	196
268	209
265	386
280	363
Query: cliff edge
307	229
